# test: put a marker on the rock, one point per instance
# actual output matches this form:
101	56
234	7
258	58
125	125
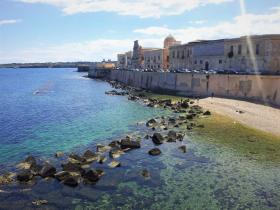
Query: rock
74	158
71	181
113	144
59	154
101	159
116	153
91	176
35	169
27	163
172	120
185	104
62	175
101	148
145	173
147	136
200	126
157	138
24	176
155	151
126	143
180	136
47	171
90	156
171	136
207	113
72	167
183	148
114	164
39	202
189	116
151	123
7	178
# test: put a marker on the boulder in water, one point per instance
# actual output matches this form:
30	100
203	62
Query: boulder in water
157	138
155	151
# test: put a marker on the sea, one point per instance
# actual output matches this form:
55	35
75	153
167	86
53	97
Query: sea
43	111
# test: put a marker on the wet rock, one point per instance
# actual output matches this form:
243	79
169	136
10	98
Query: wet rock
47	171
115	153
189	116
207	113
183	148
72	167
101	148
27	163
71	181
172	120
7	178
24	176
62	175
201	126
114	164
74	158
157	138
145	173
129	144
147	136
59	154
113	144
90	156
39	202
155	151
101	159
35	169
171	136
132	98
91	176
151	123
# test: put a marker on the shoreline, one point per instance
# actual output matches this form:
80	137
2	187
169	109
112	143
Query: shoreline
257	116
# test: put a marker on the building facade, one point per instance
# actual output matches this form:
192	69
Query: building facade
245	54
124	60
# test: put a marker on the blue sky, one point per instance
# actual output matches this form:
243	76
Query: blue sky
90	30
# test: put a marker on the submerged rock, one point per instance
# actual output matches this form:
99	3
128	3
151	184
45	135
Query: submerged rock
115	153
74	158
114	164
47	171
157	138
59	154
91	176
171	136
39	202
155	151
71	181
27	163
183	148
90	156
62	175
101	159
145	173
102	148
24	176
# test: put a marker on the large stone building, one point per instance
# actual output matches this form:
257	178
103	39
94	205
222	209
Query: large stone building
158	59
245	54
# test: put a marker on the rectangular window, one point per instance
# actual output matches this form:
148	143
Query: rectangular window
248	51
257	49
173	54
159	58
178	54
201	62
195	62
239	49
231	48
220	61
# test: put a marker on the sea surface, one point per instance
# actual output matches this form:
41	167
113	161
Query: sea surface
42	111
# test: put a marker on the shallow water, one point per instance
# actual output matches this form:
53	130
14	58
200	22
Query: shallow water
227	165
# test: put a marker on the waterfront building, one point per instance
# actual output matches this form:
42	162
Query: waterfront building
124	60
245	54
158	58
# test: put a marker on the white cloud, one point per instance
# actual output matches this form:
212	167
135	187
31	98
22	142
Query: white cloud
239	26
141	8
85	51
10	21
198	22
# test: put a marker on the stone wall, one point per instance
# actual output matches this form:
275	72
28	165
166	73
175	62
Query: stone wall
263	89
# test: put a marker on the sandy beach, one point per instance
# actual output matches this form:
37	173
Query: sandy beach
258	116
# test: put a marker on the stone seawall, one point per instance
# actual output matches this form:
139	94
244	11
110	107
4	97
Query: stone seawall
263	89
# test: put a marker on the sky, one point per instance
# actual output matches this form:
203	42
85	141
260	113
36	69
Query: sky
92	30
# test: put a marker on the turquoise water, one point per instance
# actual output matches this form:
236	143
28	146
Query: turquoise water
46	110
226	166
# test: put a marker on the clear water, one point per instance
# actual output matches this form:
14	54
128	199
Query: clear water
227	165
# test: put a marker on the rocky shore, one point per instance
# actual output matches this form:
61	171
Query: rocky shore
73	169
